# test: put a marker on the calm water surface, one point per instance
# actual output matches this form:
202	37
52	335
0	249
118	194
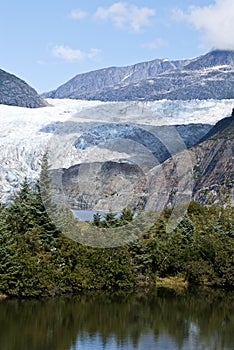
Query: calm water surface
146	320
84	215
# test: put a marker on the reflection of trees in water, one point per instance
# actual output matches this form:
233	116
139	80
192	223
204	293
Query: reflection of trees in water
56	323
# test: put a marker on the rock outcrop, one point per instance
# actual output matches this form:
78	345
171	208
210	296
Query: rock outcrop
16	92
204	173
214	165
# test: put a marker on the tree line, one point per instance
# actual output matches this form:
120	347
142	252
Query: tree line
37	259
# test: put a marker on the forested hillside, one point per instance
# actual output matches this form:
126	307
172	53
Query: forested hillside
36	259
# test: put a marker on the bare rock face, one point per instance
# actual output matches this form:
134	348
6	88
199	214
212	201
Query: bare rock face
214	166
104	186
204	173
16	92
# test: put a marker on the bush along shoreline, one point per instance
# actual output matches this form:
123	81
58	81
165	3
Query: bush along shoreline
36	259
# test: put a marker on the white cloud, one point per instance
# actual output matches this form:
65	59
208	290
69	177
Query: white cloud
216	23
71	55
124	15
41	62
157	43
93	53
67	53
78	14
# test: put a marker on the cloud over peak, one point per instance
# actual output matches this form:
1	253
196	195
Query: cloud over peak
216	23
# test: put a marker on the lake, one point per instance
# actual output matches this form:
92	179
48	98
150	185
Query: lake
87	215
145	320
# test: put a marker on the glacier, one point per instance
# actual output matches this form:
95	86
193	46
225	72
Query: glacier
25	133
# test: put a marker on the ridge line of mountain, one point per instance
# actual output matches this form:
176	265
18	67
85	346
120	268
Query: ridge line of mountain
208	76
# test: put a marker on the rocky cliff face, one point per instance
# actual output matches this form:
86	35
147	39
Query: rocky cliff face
104	186
205	77
15	92
214	165
93	132
131	178
204	173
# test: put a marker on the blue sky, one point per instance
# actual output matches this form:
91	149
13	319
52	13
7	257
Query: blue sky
48	42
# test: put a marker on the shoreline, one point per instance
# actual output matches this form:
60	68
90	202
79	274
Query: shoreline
172	282
3	296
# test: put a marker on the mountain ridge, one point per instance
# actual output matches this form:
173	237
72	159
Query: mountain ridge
114	76
204	77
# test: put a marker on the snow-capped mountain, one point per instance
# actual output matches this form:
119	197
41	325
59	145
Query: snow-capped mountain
210	76
60	127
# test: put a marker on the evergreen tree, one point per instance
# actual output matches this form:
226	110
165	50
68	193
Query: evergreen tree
97	220
126	216
110	219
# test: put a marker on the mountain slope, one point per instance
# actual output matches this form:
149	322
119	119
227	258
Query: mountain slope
83	85
87	134
205	77
223	125
212	59
205	173
214	165
16	92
